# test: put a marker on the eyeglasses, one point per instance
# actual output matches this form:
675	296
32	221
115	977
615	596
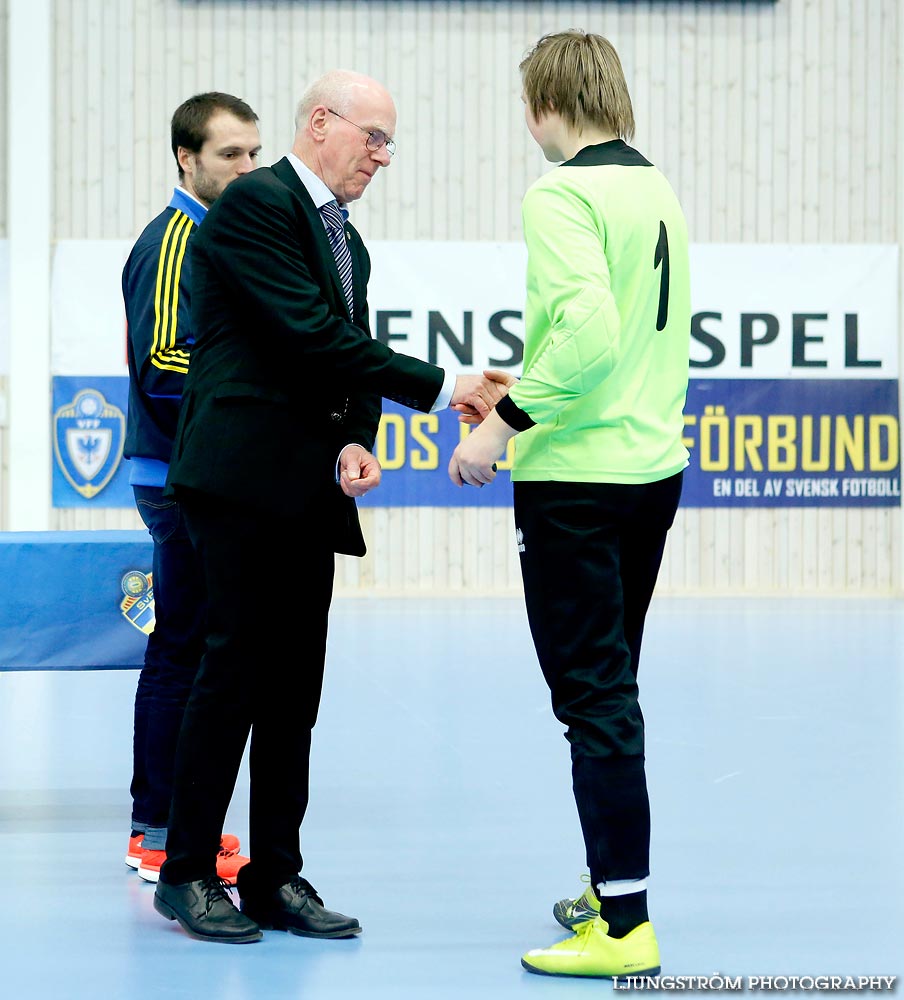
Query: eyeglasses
375	138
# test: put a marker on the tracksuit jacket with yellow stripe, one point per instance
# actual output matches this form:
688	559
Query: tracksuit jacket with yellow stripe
156	290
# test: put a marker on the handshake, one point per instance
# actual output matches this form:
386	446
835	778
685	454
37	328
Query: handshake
475	397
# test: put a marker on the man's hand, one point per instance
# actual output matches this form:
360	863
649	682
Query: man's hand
474	460
475	395
359	471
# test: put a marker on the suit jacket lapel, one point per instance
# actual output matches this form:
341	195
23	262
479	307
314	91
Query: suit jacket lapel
286	173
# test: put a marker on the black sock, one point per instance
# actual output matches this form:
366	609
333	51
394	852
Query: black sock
624	913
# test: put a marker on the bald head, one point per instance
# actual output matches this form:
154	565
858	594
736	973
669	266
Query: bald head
338	90
333	122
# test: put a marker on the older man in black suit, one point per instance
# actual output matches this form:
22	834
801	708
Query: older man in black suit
279	416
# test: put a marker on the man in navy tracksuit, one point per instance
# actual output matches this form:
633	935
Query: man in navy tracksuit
215	139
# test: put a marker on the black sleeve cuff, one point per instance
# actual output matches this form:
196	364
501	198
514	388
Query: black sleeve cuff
513	415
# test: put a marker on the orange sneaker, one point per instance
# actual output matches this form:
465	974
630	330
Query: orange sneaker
136	852
133	855
151	863
229	861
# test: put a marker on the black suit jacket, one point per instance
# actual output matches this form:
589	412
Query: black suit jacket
281	377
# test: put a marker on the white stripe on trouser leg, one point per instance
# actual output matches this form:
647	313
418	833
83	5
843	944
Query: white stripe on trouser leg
621	888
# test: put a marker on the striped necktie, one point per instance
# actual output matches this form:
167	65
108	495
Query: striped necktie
335	230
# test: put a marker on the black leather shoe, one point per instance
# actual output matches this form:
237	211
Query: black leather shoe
295	907
205	911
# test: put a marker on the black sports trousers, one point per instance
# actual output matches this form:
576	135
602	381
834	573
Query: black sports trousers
590	555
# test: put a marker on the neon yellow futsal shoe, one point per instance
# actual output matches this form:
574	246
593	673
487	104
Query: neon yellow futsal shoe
571	912
591	952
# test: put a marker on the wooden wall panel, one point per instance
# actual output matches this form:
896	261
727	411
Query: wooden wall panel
4	18
777	122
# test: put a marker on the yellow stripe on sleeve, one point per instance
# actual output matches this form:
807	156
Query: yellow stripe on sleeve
166	295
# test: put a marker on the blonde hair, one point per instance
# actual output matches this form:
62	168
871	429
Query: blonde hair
579	76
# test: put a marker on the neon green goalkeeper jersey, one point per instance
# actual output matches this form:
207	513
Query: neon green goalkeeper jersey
607	324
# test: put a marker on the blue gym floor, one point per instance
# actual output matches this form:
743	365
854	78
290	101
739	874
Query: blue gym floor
441	812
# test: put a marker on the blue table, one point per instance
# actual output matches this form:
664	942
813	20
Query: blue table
74	600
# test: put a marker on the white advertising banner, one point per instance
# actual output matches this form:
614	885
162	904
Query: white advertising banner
760	311
803	311
87	317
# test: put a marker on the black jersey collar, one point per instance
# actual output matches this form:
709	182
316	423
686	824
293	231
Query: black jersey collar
615	152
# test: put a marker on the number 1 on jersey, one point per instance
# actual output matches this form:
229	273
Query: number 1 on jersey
662	257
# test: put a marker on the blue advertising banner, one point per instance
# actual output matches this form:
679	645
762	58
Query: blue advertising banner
792	443
753	443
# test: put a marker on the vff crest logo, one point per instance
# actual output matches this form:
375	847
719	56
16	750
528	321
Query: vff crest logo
88	439
137	604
